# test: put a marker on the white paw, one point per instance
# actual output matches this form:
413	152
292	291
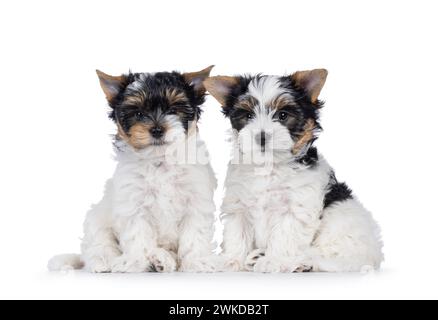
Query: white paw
162	261
303	268
252	259
232	264
268	265
98	265
276	265
207	264
101	261
301	264
129	264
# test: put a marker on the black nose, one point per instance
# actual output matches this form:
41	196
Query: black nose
157	132
261	138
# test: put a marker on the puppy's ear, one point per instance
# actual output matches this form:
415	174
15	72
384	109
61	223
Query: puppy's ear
111	85
311	82
220	87
196	79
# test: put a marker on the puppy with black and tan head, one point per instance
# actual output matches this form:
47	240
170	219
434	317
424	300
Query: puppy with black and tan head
157	213
284	210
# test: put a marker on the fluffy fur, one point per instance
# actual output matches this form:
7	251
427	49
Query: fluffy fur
284	210
157	213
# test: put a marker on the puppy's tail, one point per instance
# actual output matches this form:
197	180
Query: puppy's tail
65	262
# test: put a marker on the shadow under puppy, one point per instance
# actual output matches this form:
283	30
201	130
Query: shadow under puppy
284	210
157	213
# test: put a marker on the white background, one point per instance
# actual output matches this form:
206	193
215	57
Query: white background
380	128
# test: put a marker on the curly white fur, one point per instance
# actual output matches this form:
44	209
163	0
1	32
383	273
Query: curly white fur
155	214
274	214
279	215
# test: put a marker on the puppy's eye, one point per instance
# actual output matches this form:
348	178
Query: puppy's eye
172	111
283	116
139	115
250	116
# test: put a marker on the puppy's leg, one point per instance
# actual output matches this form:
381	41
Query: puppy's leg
162	261
288	245
195	250
252	259
348	240
139	249
99	246
238	239
99	250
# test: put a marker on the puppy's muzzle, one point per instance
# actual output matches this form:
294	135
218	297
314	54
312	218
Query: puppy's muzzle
262	138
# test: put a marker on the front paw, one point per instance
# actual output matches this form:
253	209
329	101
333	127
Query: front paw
129	264
231	264
252	259
268	265
98	265
162	261
280	265
194	265
101	262
304	268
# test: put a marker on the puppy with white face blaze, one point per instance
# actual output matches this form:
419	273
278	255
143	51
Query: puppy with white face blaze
284	210
157	213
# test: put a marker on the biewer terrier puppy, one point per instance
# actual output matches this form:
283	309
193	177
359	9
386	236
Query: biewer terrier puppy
157	213
284	210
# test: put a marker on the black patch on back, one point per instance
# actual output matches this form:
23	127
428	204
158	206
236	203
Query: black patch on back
336	192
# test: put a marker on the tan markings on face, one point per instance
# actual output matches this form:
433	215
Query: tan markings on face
138	135
247	103
281	102
306	136
175	96
137	98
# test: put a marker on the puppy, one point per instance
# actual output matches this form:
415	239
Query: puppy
284	210
157	213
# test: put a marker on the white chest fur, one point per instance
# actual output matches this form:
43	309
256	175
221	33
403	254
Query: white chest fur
155	213
265	200
160	193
